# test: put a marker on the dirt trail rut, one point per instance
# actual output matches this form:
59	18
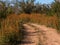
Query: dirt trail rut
30	36
40	35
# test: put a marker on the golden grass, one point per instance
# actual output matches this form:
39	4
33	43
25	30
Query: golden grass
11	22
10	25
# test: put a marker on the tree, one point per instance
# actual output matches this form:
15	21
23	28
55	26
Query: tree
27	6
56	8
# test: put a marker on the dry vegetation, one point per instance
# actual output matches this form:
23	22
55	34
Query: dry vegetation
12	18
10	26
11	22
51	21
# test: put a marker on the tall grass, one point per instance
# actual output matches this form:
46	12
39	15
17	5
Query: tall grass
11	28
51	21
10	31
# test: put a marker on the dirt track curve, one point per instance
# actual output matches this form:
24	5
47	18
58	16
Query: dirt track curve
40	35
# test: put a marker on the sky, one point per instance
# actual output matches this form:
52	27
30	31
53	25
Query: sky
45	1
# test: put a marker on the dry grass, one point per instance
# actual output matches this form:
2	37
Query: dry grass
10	24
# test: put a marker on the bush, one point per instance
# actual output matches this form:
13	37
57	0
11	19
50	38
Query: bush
12	38
2	10
27	6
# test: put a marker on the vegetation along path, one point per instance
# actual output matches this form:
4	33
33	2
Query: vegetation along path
40	35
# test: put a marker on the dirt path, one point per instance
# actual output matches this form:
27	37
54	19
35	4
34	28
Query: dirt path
40	34
30	36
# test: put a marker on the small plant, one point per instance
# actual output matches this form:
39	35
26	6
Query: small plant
3	39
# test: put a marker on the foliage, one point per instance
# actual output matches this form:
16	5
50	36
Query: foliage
12	27
56	8
5	10
27	6
2	10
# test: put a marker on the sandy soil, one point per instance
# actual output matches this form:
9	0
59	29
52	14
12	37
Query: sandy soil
40	35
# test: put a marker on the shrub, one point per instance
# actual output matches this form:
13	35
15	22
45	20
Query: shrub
2	9
11	37
27	6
